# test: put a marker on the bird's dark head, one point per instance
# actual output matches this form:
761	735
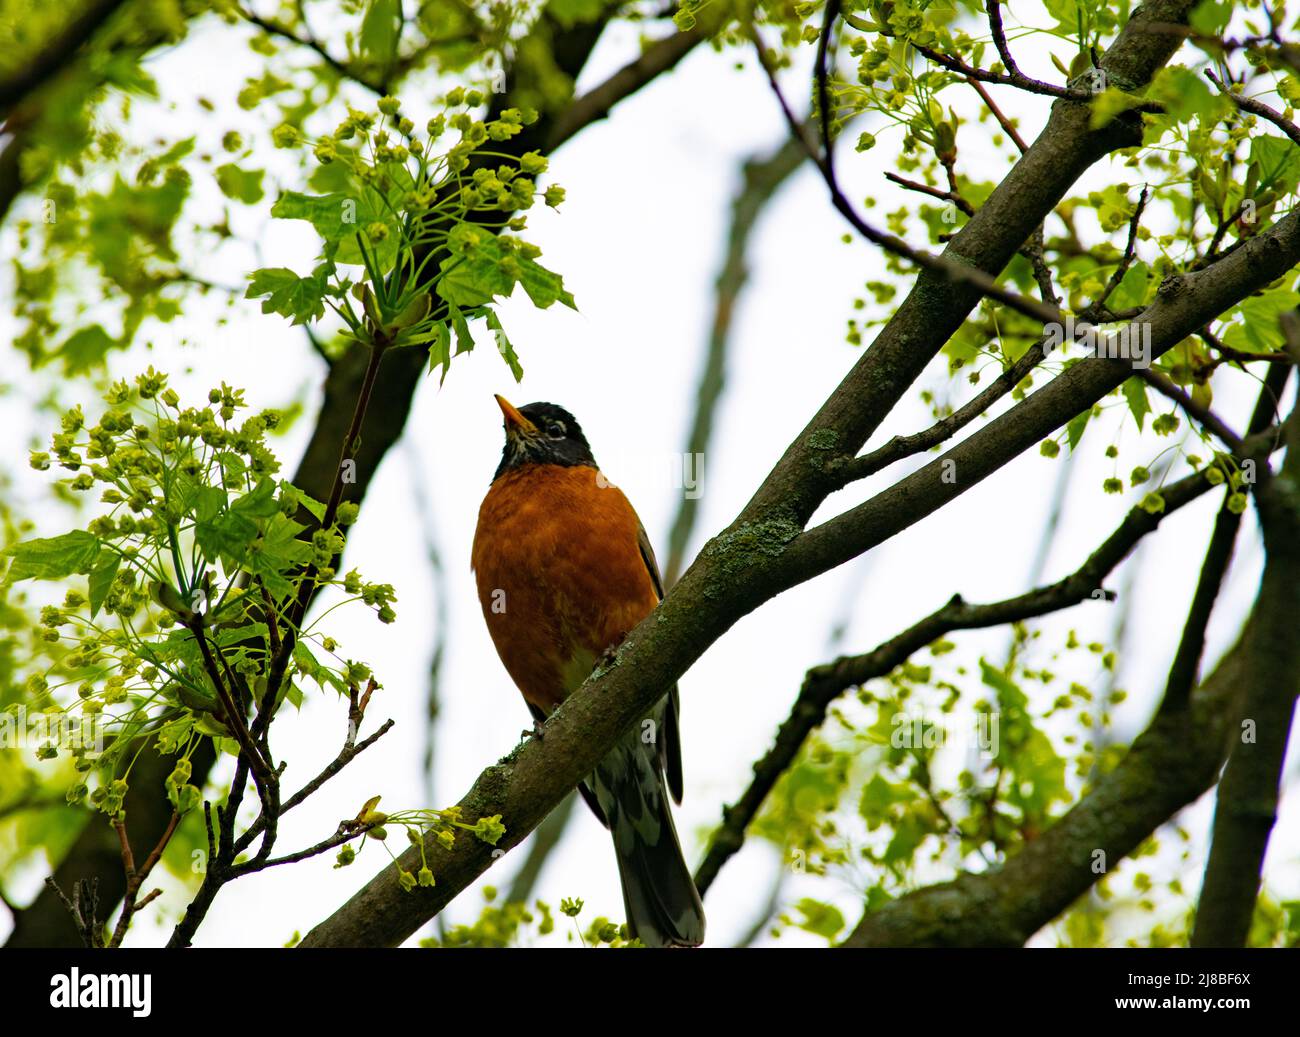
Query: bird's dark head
542	433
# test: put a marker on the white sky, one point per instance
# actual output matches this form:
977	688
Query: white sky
639	242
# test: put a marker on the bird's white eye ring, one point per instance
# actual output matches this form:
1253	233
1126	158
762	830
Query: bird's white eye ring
555	430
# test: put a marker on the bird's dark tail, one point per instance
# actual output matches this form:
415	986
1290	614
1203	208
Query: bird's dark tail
663	906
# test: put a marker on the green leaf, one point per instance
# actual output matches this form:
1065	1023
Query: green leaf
1211	17
247	632
338	218
1278	161
1074	430
380	29
208	502
1132	288
473	274
227	536
464	340
1066	13
304	500
301	299
53	558
101	579
243	185
85	349
878	796
1185	94
278	550
543	286
1259	330
1135	392
506	350
1110	103
440	349
824	920
259	503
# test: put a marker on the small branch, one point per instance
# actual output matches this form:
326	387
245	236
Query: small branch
1191	646
1227	353
934	192
596	104
824	684
1022	82
947	268
1254	107
135	879
346	832
345	756
1098	308
1184	671
84	909
901	447
1000	42
306	586
1008	127
1205	417
274	28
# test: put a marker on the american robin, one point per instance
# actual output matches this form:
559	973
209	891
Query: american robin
564	571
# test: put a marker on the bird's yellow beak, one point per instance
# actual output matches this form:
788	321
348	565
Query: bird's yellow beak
515	422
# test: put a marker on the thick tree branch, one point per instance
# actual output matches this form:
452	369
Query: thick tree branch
1246	807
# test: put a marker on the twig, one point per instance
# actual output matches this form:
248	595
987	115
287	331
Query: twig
1097	310
1007	125
274	28
1022	82
135	879
947	268
1254	107
934	192
1203	415
902	447
346	755
346	832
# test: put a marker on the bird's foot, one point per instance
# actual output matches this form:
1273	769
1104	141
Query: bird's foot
536	731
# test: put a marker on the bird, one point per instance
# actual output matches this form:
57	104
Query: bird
564	570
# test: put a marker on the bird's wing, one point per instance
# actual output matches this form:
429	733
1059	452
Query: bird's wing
670	745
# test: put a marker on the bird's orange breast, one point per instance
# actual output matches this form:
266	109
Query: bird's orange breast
560	575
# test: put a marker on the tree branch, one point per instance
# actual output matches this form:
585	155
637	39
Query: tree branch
1246	806
762	178
824	684
57	55
660	57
